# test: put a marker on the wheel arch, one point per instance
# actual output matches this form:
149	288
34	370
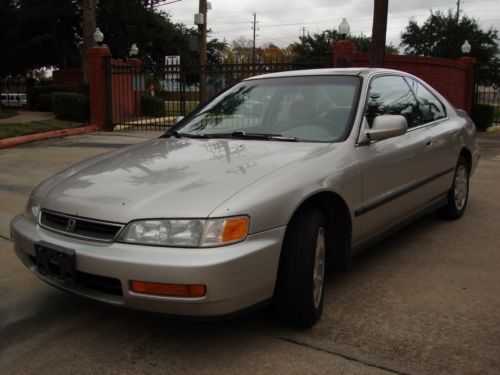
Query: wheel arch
339	223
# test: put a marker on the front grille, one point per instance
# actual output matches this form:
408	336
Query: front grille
79	227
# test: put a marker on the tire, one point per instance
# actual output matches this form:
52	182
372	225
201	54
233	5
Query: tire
458	194
298	297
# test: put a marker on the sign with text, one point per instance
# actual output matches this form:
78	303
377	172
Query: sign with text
172	65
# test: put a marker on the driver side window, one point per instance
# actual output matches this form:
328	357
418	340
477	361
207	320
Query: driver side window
391	95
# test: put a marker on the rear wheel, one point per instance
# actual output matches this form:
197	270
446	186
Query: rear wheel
459	192
298	296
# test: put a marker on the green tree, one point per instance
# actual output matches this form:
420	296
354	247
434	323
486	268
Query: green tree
39	33
442	35
216	51
124	22
318	47
48	33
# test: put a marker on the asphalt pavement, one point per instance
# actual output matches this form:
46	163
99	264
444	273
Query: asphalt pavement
424	301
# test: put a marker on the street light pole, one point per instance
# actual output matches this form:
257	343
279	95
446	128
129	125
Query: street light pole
202	29
254	35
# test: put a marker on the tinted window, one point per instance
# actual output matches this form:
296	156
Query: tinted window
391	95
430	107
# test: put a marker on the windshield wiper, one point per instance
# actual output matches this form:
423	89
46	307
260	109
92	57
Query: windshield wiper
237	134
273	137
176	134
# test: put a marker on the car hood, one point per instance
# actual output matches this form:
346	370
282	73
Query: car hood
168	177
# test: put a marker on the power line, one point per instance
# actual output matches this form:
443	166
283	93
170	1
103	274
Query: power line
163	2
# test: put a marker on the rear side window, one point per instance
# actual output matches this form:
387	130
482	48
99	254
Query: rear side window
430	106
391	95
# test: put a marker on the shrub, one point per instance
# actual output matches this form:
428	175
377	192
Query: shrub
71	106
482	115
35	91
153	106
44	102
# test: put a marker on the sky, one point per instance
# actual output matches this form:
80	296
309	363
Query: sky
282	21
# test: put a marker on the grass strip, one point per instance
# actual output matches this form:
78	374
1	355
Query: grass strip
34	127
6	113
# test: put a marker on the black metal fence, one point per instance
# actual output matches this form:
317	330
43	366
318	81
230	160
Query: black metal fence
152	97
486	111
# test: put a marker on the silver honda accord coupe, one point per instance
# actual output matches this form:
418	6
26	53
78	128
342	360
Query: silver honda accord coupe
245	200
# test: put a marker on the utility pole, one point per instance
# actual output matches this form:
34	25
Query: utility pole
303	28
202	30
379	31
88	25
254	28
458	10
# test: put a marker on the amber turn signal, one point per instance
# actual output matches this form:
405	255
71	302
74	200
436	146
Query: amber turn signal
235	229
169	290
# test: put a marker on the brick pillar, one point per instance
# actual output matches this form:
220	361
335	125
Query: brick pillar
136	84
97	85
343	52
469	64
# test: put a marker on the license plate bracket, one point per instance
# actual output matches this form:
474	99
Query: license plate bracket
56	262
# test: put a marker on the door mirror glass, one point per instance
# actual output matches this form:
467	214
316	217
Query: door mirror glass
387	126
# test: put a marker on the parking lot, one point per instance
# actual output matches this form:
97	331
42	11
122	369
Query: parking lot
424	301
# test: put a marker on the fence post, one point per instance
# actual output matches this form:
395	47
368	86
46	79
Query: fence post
97	85
343	52
469	64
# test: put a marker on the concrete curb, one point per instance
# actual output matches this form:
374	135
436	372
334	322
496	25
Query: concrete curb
10	142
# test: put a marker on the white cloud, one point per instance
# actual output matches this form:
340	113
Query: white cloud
281	21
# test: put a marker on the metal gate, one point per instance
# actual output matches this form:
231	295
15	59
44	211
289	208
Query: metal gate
151	97
486	111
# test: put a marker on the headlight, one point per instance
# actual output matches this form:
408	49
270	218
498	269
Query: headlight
33	207
186	233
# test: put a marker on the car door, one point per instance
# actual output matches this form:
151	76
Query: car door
445	133
395	170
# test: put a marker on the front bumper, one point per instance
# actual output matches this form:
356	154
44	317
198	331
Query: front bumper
237	276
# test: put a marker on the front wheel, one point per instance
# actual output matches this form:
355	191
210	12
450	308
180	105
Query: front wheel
298	296
459	192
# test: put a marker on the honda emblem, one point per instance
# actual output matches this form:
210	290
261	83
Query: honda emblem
71	225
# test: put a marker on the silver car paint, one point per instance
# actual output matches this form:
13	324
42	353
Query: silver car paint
181	178
170	177
236	276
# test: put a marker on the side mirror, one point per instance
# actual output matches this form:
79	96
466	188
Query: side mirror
387	126
178	119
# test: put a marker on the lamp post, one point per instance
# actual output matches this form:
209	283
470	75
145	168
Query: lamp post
466	47
344	28
133	50
98	36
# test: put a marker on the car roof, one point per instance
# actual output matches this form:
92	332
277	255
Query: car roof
329	71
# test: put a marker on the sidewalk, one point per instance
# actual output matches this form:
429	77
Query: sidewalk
24	166
28	116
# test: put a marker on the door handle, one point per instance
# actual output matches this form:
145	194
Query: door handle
428	142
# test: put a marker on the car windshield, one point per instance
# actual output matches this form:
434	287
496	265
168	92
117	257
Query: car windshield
308	108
